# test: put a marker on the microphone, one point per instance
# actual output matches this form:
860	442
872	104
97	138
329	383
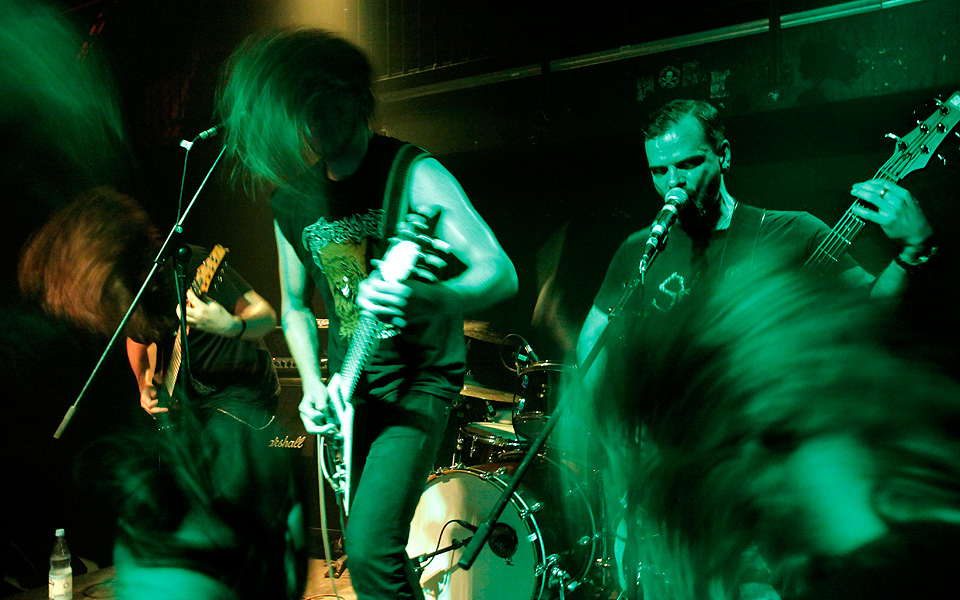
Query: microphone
209	133
530	354
674	200
466	525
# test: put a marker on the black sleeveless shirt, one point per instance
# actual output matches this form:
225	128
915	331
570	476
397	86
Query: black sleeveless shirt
334	228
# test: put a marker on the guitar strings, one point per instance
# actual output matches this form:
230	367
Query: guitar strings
850	224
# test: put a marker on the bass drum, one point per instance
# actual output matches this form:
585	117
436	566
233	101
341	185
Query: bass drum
545	537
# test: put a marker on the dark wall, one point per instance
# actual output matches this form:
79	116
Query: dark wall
555	162
561	153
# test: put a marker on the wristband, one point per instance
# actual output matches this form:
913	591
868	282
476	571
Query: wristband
243	328
912	268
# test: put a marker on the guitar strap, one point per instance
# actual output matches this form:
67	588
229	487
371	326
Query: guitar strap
743	240
396	196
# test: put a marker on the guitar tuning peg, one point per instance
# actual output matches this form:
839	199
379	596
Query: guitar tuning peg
900	143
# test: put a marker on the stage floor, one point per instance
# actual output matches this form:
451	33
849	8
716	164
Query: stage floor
99	584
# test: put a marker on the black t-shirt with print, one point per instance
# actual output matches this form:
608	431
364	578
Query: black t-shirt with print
756	237
334	228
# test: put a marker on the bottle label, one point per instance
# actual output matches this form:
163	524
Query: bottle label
60	586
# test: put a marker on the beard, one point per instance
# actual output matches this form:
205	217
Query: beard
702	212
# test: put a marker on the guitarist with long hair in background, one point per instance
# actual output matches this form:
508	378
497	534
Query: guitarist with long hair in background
296	105
220	514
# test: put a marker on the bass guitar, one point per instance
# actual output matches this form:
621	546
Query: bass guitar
913	152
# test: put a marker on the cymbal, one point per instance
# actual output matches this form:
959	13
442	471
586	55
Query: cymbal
480	330
475	391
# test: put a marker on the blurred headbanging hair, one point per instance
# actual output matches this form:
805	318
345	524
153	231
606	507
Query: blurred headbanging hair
86	262
284	91
772	413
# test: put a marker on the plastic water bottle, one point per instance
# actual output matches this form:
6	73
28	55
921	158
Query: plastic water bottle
60	582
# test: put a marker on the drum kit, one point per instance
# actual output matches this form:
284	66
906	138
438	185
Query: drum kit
549	540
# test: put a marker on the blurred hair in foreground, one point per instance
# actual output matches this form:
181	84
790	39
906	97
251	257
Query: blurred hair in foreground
55	105
211	522
772	416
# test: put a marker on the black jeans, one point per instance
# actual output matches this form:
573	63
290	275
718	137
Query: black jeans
394	448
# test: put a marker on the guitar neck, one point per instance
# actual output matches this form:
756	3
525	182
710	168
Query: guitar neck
913	151
362	346
840	238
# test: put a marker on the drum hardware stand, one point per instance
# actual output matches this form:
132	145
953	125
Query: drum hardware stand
422	559
483	532
558	578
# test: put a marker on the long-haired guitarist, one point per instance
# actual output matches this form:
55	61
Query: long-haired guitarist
221	492
296	104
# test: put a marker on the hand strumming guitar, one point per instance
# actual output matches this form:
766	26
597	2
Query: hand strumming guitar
315	407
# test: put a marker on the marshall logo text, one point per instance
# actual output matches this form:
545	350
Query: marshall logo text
286	442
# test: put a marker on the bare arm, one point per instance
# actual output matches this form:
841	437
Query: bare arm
489	277
590	333
143	361
300	331
251	309
898	213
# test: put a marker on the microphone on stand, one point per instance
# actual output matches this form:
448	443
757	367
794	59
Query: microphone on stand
674	200
525	353
206	133
209	133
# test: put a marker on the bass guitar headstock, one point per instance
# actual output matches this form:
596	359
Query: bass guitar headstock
914	150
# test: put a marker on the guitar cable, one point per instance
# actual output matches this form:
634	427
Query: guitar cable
324	531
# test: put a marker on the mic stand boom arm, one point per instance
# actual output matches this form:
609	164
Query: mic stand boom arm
162	257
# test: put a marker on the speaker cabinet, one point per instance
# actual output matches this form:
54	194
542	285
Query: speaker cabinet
294	438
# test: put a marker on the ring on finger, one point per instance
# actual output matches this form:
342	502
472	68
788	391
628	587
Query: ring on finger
883	192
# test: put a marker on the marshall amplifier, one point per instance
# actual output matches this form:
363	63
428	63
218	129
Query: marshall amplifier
292	436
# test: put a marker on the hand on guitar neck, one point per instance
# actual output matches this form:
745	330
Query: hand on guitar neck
895	210
153	397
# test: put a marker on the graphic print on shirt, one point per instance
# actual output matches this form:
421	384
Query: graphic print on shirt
672	290
339	249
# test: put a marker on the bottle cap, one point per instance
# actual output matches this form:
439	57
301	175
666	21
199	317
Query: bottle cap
60	533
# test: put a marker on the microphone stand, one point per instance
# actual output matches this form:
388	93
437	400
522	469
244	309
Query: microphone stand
485	529
453	546
162	256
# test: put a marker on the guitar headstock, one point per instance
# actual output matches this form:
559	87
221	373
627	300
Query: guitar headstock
207	269
915	149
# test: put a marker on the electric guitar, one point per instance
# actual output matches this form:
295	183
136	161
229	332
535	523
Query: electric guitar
400	262
913	152
200	285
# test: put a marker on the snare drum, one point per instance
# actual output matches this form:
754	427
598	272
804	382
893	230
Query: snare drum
545	537
479	443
